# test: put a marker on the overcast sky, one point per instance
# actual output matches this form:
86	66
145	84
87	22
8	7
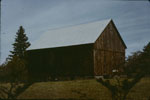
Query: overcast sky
132	18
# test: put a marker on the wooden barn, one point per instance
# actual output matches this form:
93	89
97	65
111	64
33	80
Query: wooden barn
91	49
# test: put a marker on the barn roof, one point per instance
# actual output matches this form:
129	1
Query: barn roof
73	35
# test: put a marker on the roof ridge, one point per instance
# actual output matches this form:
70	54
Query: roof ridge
73	25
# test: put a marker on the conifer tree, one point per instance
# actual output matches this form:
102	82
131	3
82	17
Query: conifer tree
20	45
16	71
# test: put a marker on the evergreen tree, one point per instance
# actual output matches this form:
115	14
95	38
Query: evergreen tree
15	70
20	45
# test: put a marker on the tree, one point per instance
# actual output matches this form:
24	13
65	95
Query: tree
20	45
15	69
139	62
17	64
145	60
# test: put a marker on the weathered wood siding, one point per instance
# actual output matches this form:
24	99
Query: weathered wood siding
63	61
109	51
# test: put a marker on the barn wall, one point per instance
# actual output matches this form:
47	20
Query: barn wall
63	61
109	51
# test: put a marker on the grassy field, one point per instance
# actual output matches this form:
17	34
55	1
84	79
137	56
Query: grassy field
77	89
82	89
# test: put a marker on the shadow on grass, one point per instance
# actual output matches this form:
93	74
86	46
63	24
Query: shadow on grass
15	90
22	89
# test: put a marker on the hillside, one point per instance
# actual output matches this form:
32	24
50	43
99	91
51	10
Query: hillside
81	89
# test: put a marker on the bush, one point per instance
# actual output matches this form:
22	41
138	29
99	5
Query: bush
14	71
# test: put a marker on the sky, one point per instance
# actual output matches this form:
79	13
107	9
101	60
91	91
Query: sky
132	19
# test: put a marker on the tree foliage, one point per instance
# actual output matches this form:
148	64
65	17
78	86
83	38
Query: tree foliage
139	62
21	44
14	70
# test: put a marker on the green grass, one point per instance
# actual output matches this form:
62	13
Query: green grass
141	91
82	89
77	89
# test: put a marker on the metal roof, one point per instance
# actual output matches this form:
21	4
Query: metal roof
73	35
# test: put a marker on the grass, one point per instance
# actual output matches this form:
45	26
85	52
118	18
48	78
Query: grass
5	89
77	89
141	91
82	89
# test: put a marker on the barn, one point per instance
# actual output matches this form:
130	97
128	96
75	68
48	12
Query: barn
89	49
